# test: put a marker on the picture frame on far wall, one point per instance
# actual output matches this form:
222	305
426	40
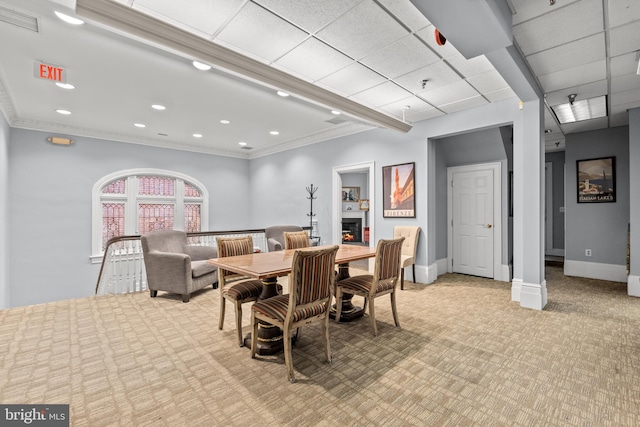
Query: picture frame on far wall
398	191
350	194
596	180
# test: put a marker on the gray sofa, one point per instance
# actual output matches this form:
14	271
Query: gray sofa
174	266
275	238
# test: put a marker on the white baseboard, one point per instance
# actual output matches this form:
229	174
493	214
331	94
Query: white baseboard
633	286
596	270
516	287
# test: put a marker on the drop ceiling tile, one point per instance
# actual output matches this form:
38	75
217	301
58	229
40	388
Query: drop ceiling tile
405	55
625	83
623	11
352	79
488	82
203	17
585	125
619	115
446	51
310	15
261	33
450	93
362	31
627	97
589	90
414	117
584	51
500	94
314	60
406	12
624	39
382	94
624	64
415	104
582	74
577	20
470	67
463	104
436	74
527	9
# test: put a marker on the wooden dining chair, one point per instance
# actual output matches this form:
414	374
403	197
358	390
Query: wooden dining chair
383	281
296	239
309	301
234	287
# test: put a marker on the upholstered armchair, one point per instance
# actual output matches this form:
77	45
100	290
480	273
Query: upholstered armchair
174	266
275	236
408	258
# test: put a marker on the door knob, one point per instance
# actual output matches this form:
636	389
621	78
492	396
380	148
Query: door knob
489	225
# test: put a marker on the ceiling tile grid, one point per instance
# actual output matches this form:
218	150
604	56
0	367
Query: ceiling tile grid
313	60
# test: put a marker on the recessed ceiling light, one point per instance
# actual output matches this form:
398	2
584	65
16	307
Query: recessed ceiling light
69	19
65	85
336	112
64	112
197	135
225	122
274	132
585	109
201	66
282	93
242	144
158	107
140	125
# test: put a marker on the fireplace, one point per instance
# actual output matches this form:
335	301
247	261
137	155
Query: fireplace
351	230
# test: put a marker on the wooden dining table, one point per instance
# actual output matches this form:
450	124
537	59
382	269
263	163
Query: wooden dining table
268	266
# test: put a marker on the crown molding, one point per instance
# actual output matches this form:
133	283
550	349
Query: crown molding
120	17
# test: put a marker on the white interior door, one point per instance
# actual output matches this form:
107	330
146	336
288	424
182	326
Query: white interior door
473	227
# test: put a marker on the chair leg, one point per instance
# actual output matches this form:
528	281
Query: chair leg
364	305
185	297
239	322
287	353
372	315
153	293
222	306
338	304
394	310
413	268
254	334
325	337
402	279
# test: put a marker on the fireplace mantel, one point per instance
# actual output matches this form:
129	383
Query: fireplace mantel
353	214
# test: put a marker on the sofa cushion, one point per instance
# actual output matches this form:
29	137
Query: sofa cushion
200	268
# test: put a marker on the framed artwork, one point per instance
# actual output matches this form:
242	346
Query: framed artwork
398	191
364	204
596	180
350	194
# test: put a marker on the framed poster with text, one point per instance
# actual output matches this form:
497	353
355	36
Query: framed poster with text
596	180
398	191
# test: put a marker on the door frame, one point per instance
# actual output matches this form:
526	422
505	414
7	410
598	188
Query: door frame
369	167
548	211
496	168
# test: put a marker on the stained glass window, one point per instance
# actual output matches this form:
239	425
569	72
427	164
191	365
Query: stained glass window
192	218
154	216
156	186
112	221
115	187
191	191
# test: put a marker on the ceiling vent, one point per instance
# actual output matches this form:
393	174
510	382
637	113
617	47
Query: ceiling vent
18	19
336	120
246	147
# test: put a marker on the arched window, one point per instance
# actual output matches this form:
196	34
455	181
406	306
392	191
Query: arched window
137	201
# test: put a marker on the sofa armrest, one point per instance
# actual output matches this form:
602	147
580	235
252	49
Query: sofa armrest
274	245
201	253
168	271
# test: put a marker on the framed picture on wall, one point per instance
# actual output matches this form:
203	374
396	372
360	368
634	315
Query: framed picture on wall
398	191
350	194
596	180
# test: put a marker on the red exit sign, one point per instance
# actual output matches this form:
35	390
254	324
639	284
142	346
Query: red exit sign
49	72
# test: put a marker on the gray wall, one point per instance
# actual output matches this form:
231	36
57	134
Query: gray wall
4	212
483	146
557	161
601	227
50	206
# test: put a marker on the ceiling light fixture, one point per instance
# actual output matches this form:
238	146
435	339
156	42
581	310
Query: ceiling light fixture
225	122
63	112
69	19
57	140
201	66
242	144
197	135
282	93
572	98
65	85
274	132
336	112
158	107
585	109
140	125
118	16
404	109
552	2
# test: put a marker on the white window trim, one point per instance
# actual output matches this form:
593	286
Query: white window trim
96	205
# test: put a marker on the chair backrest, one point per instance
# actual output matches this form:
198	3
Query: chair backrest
274	235
312	276
164	241
410	234
296	239
232	246
387	268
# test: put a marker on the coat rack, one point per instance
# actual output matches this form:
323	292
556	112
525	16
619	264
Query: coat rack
311	190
